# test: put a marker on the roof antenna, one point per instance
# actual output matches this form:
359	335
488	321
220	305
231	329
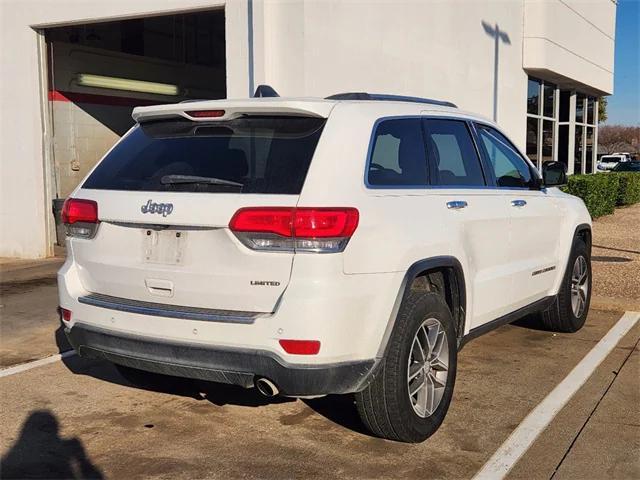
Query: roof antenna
265	91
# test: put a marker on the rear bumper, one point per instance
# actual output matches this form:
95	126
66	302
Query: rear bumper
224	365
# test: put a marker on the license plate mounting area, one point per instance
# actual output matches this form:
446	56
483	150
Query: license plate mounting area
163	246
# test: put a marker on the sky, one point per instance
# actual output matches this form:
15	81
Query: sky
624	104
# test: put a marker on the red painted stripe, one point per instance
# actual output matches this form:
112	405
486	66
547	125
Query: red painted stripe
58	96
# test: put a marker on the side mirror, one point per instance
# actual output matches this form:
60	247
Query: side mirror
554	174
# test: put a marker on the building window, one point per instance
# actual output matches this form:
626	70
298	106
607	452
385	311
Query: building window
584	151
542	119
589	150
577	150
547	140
533	97
561	126
532	139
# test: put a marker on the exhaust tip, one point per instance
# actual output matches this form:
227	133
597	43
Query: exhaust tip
266	387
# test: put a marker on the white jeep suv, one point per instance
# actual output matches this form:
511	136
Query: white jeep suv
318	246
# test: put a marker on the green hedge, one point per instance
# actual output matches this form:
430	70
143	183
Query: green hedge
602	192
629	189
599	192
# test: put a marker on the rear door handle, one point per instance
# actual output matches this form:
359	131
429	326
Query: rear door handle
518	203
456	204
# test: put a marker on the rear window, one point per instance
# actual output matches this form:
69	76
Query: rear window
398	156
246	155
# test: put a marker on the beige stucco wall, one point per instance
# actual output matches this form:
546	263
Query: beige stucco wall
571	41
432	49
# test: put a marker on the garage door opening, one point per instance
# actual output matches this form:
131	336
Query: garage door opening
98	72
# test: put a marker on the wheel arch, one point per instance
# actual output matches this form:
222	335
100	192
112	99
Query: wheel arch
584	231
445	272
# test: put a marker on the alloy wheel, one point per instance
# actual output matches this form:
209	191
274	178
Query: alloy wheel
579	286
428	367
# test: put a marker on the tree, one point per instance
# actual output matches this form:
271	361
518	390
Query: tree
602	110
619	138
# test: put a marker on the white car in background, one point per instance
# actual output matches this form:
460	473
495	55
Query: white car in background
307	247
607	162
626	155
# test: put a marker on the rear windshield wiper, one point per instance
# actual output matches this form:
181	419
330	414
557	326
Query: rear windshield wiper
186	179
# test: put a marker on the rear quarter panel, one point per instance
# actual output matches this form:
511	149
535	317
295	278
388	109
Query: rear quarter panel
397	227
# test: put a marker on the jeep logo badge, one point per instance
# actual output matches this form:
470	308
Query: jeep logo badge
162	208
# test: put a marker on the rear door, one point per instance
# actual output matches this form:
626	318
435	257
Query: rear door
536	218
477	217
166	194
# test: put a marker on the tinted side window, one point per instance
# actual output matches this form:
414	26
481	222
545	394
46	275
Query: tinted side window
453	154
509	168
398	155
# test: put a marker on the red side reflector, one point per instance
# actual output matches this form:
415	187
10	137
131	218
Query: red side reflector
66	314
302	222
205	113
301	347
78	210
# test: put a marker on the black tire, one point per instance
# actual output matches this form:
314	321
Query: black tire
559	317
384	406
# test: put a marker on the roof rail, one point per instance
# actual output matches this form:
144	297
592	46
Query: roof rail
388	98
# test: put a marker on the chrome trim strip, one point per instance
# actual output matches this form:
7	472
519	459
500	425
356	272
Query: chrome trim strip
171	311
157	226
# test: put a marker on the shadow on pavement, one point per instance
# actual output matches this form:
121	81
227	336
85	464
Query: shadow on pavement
61	339
217	393
40	452
339	409
531	322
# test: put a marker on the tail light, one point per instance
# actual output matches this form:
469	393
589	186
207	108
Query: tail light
291	229
80	217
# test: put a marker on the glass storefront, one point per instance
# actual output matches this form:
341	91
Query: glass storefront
561	126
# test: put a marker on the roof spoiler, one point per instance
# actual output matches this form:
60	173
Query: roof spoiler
388	98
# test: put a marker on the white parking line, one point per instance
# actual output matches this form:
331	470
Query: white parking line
525	434
6	372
